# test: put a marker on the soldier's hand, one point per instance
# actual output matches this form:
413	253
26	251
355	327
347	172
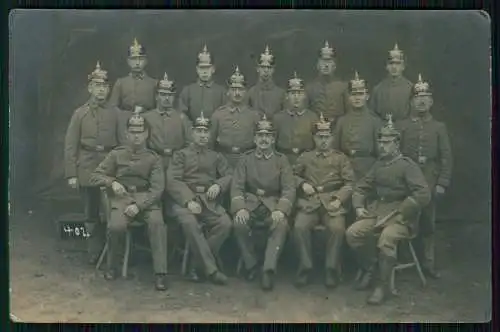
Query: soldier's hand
213	191
242	216
361	212
73	182
277	216
335	204
118	188
440	190
194	207
132	210
308	189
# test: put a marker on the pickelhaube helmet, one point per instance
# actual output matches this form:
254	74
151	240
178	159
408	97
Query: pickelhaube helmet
98	75
266	59
136	50
323	125
237	80
295	83
202	122
396	55
264	126
388	132
327	52
165	85
357	85
136	123
204	58
421	88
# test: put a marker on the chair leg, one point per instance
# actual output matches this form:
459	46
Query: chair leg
185	258
417	265
392	284
127	254
101	257
239	266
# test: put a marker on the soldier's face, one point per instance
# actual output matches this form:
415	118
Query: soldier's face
323	141
422	104
387	147
205	73
265	72
137	64
296	98
395	69
264	140
165	100
236	95
326	67
99	90
201	136
137	138
358	100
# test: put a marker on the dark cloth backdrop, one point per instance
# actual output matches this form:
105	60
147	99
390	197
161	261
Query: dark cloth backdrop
51	54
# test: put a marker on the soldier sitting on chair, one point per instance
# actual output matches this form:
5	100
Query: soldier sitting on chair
135	175
196	177
401	192
325	179
263	193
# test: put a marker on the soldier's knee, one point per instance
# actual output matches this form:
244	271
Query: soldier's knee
240	228
281	228
336	226
302	224
117	227
387	244
188	222
225	222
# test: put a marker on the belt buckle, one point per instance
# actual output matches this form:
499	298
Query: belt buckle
167	151
99	148
422	159
260	192
132	189
200	189
320	189
235	149
295	150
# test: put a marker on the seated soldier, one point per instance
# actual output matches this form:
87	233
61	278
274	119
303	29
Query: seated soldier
263	192
135	175
401	192
326	178
196	177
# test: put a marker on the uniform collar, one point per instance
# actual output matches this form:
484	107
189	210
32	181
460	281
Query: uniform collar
325	79
323	153
267	85
234	108
426	118
140	150
198	148
358	112
295	113
395	81
139	76
260	154
205	84
93	105
392	159
167	112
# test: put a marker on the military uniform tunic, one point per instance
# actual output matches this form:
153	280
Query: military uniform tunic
141	173
91	134
329	96
294	132
391	96
232	131
400	186
266	97
200	96
192	171
356	136
331	175
262	183
426	142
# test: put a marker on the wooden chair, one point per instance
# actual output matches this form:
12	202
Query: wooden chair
186	254
414	263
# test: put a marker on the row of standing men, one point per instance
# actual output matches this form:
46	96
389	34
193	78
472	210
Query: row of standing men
97	127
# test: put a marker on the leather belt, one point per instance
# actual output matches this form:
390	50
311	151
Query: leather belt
263	193
96	148
233	149
358	153
137	189
165	152
293	151
198	189
328	188
390	199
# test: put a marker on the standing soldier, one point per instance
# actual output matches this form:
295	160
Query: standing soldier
136	89
425	140
356	132
295	124
233	125
401	192
204	95
265	96
392	95
91	134
135	176
327	93
325	180
196	177
263	193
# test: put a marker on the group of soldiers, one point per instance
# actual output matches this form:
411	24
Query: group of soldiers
232	161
